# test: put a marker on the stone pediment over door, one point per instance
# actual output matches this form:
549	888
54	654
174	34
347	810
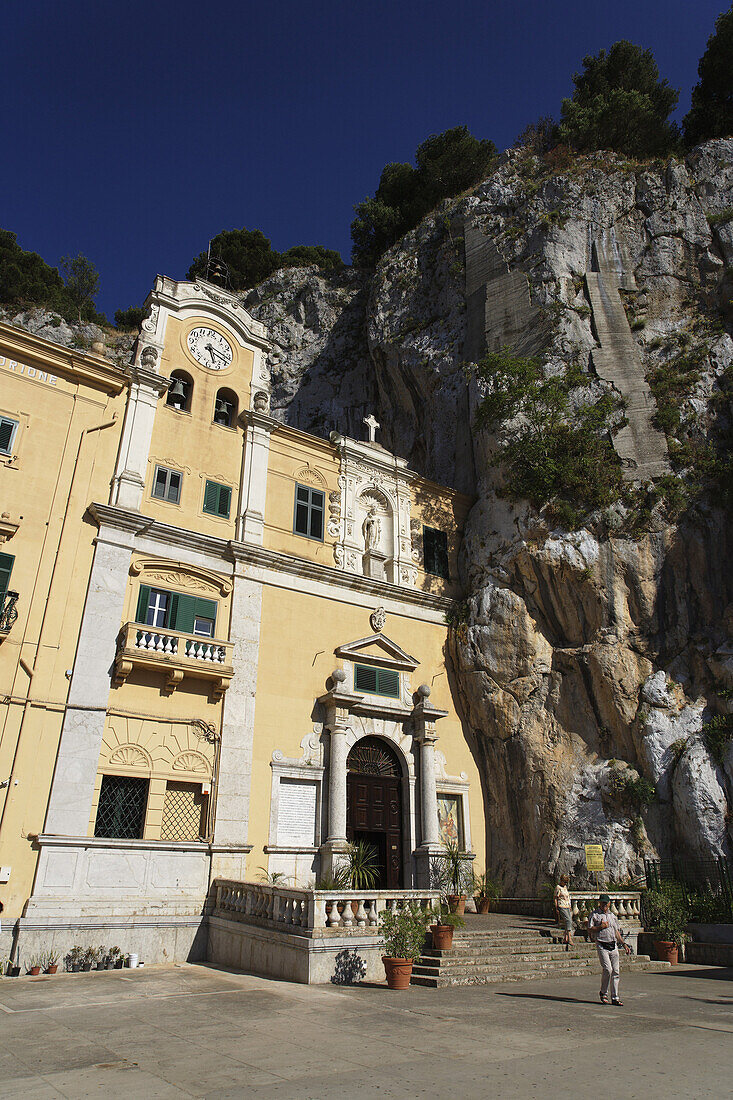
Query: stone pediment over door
378	649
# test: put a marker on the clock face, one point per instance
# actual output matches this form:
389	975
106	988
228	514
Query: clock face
209	348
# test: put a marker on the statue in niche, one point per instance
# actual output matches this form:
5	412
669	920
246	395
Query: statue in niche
371	529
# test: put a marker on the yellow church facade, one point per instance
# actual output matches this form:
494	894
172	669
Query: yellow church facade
224	648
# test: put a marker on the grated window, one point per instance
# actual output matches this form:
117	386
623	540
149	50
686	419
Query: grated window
183	812
122	804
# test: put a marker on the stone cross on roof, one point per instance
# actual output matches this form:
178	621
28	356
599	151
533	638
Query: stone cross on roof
372	426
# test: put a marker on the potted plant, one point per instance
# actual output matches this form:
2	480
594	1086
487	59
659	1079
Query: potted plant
113	955
487	890
88	958
444	927
404	935
51	961
73	961
361	869
99	957
453	876
665	917
34	964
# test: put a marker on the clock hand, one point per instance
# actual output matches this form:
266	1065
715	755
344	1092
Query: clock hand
212	351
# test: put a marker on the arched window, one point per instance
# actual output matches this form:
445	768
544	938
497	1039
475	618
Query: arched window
225	408
180	391
373	756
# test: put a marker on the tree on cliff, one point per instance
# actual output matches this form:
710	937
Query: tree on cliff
620	103
446	164
711	112
27	280
250	257
81	283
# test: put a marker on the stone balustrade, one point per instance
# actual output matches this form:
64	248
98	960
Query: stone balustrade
290	909
625	905
175	654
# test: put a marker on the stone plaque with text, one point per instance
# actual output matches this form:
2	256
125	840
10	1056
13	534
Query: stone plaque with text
296	814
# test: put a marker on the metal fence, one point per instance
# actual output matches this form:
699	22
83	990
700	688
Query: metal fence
693	877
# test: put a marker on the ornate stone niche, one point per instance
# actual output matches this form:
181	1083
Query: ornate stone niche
371	518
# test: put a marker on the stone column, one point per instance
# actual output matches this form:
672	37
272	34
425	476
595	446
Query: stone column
128	483
258	428
237	733
424	718
337	703
72	788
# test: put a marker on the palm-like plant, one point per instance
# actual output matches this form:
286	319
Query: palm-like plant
361	869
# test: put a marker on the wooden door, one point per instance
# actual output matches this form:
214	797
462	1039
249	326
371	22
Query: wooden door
374	815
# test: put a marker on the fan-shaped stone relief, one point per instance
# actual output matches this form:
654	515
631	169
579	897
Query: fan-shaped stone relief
130	756
190	762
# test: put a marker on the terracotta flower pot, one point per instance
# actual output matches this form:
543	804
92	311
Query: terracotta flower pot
667	951
398	972
482	904
457	903
52	969
442	936
35	971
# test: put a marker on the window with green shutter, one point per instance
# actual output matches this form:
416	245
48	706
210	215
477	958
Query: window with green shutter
377	681
176	611
8	429
217	499
6	568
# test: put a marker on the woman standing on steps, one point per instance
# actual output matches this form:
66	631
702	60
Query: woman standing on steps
604	929
563	910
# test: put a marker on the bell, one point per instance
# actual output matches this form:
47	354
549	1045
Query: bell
177	394
223	412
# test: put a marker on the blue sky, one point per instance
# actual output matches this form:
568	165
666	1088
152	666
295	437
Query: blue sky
135	131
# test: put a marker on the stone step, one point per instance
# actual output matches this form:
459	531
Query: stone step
521	962
482	977
555	950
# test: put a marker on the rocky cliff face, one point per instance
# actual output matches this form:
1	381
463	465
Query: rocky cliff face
586	662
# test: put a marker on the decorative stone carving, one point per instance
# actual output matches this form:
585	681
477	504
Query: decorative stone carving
338	555
308	476
192	577
416	539
131	756
190	762
378	619
334	509
312	751
149	357
150	323
371	529
261	402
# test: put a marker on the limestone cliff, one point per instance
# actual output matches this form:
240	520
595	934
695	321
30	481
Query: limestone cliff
584	661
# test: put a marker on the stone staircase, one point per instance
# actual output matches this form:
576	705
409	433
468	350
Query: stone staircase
512	955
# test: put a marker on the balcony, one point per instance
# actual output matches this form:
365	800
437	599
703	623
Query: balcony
175	655
8	613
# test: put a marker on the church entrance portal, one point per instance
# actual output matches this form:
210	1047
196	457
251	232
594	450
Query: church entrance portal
374	806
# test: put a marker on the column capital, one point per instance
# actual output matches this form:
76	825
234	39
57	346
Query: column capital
424	717
149	379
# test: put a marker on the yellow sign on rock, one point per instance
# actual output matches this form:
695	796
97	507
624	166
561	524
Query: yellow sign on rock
594	857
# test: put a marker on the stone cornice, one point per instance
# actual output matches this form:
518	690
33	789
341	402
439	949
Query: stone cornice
258	556
93	370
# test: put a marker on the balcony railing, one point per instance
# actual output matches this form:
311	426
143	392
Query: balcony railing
175	655
8	613
291	909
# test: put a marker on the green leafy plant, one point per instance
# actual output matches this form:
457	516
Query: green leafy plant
717	734
665	916
404	930
451	872
557	457
273	878
711	110
445	917
486	887
362	869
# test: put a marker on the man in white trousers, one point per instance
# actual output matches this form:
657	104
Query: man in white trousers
604	930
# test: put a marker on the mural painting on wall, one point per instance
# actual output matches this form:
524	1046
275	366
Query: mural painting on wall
449	819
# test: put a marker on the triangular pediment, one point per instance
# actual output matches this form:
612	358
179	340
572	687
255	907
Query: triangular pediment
380	650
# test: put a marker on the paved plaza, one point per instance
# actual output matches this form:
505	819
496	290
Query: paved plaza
196	1031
